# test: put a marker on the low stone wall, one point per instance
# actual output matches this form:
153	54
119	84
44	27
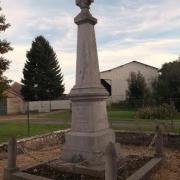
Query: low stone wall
56	138
135	138
36	143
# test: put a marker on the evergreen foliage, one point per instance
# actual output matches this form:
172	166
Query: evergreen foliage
43	79
4	48
138	92
167	87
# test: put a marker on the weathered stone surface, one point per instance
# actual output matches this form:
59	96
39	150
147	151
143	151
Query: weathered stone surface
159	143
170	140
87	72
145	171
86	118
84	16
78	168
25	176
84	3
111	162
35	143
89	145
8	173
90	132
12	151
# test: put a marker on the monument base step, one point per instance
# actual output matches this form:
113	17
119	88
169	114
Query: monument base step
87	146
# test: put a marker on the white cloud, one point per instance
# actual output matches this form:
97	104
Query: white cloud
152	52
68	65
141	18
126	31
17	14
17	58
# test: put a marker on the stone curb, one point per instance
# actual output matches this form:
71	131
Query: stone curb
144	172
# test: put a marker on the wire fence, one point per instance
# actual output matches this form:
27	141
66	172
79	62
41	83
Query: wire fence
126	115
142	115
124	101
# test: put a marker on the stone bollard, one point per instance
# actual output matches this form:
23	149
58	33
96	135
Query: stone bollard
111	162
159	143
11	166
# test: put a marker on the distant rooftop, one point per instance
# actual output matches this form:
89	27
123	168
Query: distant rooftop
15	88
130	63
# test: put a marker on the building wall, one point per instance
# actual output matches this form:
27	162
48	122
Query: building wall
15	104
47	106
120	75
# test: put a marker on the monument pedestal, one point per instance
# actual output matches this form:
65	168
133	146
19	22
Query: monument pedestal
90	132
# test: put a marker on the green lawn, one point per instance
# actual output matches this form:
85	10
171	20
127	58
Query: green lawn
113	115
125	120
119	120
147	126
121	115
64	115
8	129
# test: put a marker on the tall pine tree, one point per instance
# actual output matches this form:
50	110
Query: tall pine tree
4	48
43	79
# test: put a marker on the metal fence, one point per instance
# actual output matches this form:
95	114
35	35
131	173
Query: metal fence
141	102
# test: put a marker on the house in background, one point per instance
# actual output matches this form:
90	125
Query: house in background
13	101
115	80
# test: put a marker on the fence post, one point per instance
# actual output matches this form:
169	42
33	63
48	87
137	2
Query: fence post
28	120
110	162
159	143
50	106
12	152
171	115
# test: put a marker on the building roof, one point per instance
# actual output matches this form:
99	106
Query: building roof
130	63
15	88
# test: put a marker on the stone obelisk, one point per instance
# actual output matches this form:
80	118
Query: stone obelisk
90	132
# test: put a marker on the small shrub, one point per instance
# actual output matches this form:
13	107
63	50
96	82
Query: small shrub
164	111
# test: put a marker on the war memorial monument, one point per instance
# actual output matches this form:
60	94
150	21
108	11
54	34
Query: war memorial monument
90	151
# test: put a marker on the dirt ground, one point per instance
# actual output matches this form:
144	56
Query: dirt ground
27	159
170	170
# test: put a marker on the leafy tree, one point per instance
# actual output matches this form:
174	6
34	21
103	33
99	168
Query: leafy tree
4	48
138	92
167	87
43	79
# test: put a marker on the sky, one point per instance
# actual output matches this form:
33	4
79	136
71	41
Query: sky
127	30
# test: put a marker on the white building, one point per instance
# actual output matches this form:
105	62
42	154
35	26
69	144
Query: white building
115	79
